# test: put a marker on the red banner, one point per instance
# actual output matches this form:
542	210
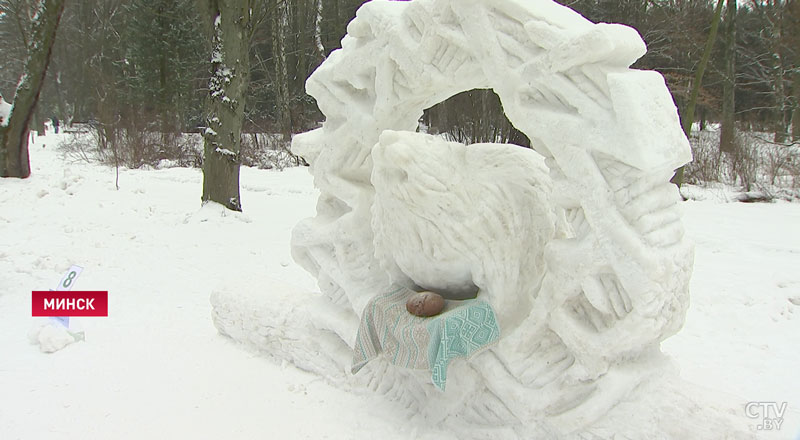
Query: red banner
74	303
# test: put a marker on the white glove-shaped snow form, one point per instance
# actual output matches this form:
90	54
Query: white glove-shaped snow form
584	260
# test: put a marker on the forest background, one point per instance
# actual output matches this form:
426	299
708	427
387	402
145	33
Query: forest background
136	74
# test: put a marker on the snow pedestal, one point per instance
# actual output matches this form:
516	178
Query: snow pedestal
578	245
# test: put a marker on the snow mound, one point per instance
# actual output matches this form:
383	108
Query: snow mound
212	211
50	336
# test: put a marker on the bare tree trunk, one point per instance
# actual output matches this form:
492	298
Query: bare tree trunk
796	110
330	25
231	23
728	128
784	110
14	158
793	27
280	24
782	92
688	119
318	29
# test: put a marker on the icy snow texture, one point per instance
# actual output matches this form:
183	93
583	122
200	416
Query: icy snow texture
584	259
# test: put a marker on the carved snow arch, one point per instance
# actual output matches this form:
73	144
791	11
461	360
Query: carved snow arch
618	284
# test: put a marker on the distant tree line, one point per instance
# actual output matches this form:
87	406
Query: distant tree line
143	65
133	66
765	37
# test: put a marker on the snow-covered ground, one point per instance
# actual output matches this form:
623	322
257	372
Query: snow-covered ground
156	368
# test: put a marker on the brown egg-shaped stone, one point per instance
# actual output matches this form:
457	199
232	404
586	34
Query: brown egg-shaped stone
425	304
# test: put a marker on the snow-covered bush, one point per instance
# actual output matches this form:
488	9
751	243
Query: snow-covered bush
133	148
707	163
759	166
136	149
267	151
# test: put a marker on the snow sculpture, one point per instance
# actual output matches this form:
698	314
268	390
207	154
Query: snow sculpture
449	217
583	258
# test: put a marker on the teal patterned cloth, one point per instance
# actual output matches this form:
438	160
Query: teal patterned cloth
460	331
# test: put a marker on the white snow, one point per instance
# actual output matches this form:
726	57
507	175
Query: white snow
157	368
50	336
5	112
742	331
216	57
225	152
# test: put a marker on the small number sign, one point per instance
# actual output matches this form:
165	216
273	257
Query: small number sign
69	278
68	281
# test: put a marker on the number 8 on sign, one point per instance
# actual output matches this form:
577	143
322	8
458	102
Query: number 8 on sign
69	278
68	281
